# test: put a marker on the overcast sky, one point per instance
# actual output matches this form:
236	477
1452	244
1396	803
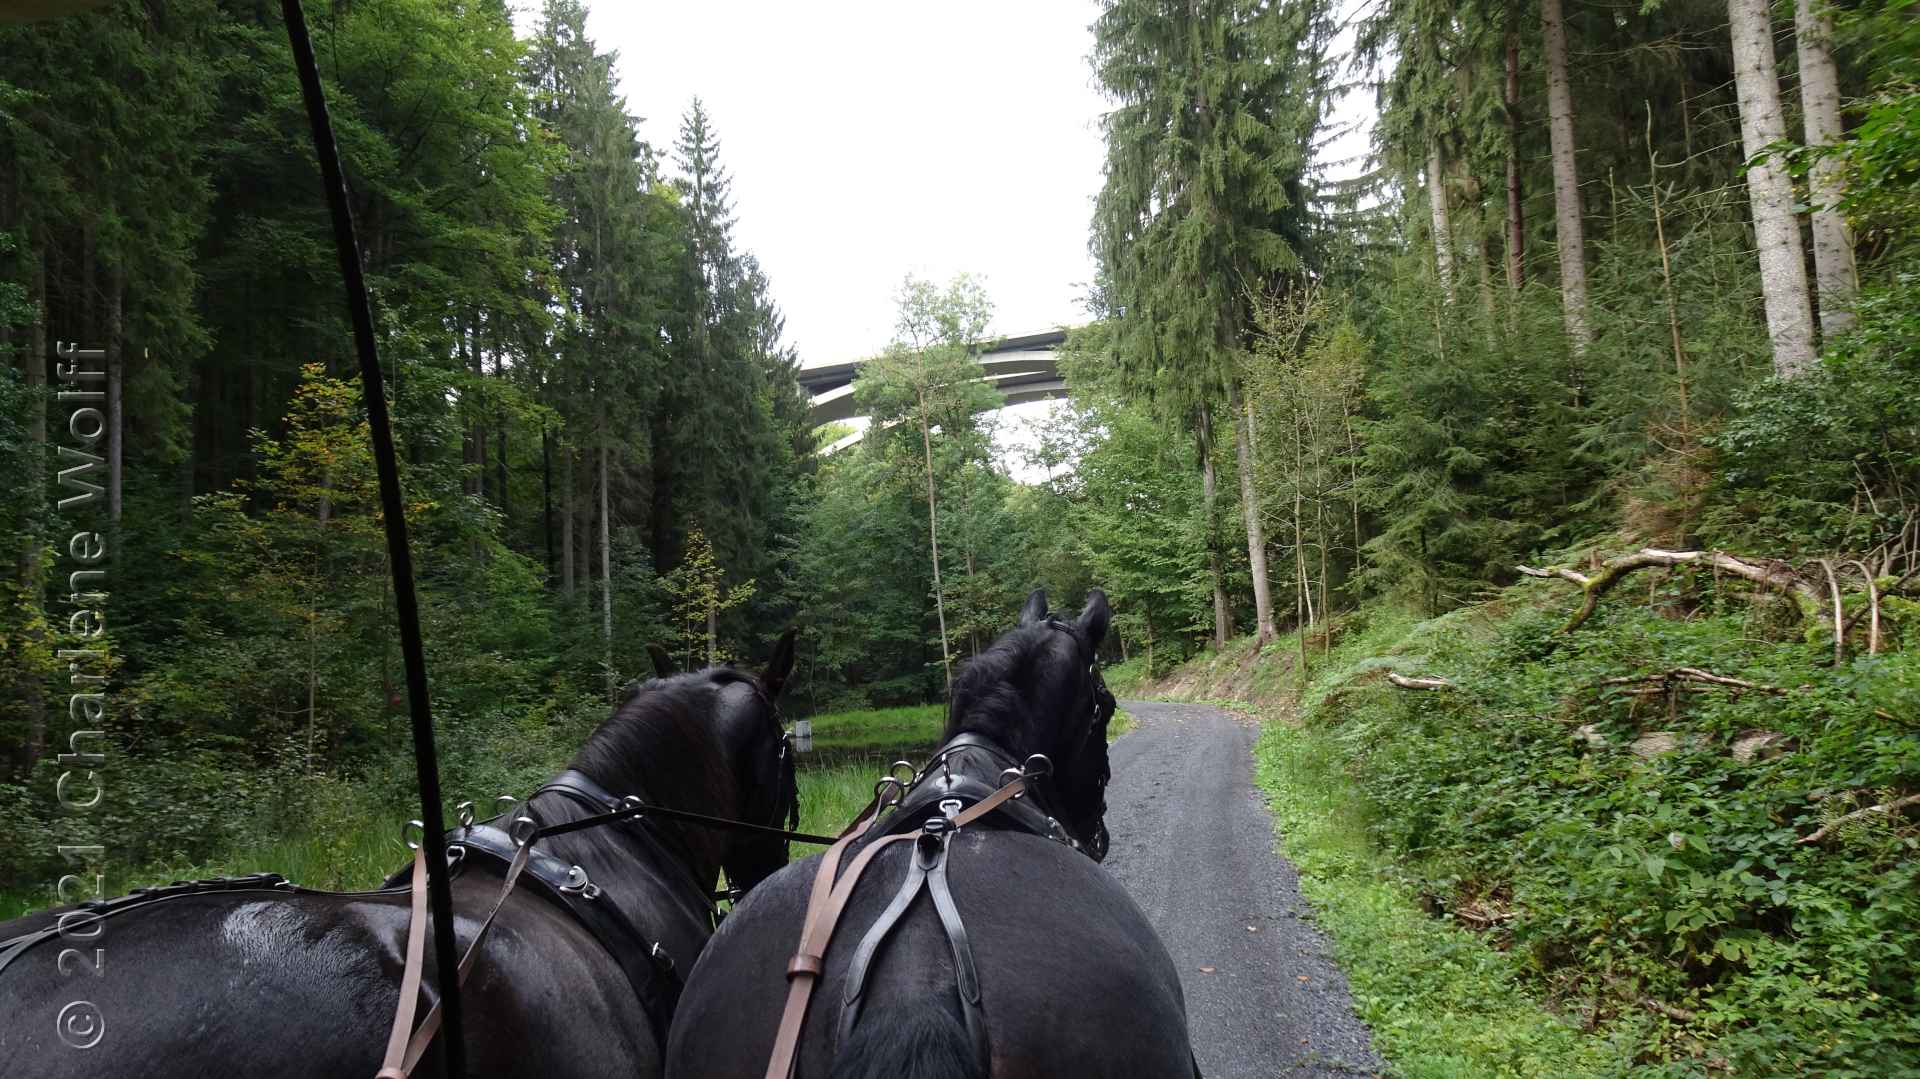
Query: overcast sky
871	139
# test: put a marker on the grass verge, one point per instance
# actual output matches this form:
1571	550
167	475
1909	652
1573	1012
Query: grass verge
1439	1002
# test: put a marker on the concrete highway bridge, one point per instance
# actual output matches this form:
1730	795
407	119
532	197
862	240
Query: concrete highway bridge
1021	368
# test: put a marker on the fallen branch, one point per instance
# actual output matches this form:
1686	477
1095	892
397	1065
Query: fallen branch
1689	674
1770	572
1404	682
1678	1015
1884	808
1480	919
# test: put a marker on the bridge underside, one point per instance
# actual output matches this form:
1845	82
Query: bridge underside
1022	368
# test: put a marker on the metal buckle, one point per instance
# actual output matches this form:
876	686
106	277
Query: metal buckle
893	770
951	807
465	812
413	826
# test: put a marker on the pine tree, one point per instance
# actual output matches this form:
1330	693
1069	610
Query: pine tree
1215	104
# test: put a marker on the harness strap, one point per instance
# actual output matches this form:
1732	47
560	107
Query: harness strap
929	868
825	904
391	1065
417	1045
966	976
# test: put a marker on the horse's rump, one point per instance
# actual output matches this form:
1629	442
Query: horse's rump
1073	979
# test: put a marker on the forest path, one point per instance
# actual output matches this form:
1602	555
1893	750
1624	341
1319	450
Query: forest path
1194	846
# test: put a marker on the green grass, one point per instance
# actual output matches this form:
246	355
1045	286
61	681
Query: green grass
895	733
350	842
1440	1003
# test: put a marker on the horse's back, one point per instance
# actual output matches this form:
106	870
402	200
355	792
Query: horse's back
298	985
1073	979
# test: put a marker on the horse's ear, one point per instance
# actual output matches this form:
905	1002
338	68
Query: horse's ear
1095	616
662	662
774	677
1036	607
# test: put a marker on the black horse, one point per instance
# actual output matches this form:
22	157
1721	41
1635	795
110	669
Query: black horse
259	978
1067	977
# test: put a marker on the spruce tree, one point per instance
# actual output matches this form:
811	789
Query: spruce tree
1203	204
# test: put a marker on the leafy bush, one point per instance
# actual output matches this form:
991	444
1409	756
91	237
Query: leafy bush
1676	878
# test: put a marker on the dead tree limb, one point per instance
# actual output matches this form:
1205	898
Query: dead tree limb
1883	809
1689	674
1764	571
1839	615
1433	682
1678	1015
1873	609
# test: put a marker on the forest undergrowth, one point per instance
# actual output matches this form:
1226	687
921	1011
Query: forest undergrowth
1689	877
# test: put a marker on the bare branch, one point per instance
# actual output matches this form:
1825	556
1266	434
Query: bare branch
1884	808
1678	1015
1839	615
1764	571
1689	674
1873	608
1404	682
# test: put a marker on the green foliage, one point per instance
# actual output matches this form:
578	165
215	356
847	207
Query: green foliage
1830	461
1436	1002
698	590
1618	877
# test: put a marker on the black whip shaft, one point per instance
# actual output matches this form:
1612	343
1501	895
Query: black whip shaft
406	607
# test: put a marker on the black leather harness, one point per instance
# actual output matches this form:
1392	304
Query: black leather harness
650	970
940	795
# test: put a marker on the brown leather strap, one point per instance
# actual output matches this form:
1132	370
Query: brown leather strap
391	1064
414	1048
824	905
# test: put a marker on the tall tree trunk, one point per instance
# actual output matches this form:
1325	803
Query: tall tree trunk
1569	231
1666	282
933	543
546	499
479	425
1209	485
660	433
606	569
1783	271
116	363
1820	100
1256	530
566	521
1442	219
34	692
1516	213
500	481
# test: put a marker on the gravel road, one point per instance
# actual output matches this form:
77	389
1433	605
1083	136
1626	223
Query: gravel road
1194	845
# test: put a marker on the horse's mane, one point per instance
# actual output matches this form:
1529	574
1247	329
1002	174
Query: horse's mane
662	742
994	692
